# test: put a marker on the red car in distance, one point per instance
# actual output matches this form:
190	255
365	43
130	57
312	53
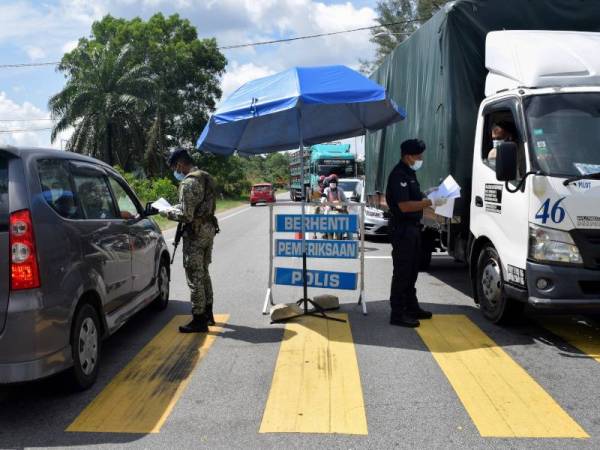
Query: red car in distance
262	192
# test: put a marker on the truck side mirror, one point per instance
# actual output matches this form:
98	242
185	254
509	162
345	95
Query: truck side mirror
149	210
506	161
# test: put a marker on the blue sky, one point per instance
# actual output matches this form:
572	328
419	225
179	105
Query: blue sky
34	31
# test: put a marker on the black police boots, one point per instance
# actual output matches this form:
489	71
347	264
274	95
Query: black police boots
404	320
199	324
420	313
209	315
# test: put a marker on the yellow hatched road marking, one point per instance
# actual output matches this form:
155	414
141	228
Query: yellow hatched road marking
316	385
141	397
501	398
579	334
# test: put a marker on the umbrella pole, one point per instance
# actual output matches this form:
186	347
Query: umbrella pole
303	228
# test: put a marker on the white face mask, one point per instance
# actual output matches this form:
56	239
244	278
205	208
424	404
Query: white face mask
497	142
333	185
416	165
178	175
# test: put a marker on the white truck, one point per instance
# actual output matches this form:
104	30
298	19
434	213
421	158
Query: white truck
528	223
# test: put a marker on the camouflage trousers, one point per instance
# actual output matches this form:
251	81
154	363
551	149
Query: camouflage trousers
197	256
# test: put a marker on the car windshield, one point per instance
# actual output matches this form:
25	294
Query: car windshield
348	186
565	133
3	191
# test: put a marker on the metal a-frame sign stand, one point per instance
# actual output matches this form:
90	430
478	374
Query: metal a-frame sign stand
305	301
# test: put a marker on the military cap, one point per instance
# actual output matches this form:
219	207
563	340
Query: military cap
175	154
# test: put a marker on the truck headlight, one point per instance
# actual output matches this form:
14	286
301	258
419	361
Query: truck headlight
550	245
373	212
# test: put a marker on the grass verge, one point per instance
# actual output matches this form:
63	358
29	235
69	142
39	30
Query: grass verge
222	205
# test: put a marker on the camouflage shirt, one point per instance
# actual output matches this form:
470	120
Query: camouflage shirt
197	200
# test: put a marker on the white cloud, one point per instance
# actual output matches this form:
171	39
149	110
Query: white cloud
238	74
18	117
35	53
68	46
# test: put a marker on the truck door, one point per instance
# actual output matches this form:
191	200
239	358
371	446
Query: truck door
495	213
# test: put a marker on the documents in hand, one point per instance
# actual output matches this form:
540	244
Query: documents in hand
450	190
162	205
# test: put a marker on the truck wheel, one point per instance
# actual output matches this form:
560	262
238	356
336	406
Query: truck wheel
85	347
495	305
161	301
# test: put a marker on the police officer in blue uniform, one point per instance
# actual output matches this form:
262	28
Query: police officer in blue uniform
406	203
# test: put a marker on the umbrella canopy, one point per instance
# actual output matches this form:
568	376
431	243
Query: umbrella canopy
300	106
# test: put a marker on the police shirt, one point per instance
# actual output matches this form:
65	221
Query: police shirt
403	186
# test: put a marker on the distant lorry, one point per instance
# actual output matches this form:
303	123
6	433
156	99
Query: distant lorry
322	159
528	222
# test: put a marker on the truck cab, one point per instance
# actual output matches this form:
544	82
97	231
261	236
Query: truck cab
535	200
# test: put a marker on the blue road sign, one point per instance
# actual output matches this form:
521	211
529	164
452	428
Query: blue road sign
292	248
317	223
316	278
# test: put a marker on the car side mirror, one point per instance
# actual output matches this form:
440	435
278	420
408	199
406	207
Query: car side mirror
506	161
150	210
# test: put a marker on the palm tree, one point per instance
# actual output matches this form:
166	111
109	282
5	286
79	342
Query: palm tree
105	100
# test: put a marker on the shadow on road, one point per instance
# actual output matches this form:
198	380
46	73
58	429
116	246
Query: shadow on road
49	406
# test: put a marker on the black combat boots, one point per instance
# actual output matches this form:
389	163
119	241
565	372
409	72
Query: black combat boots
199	324
404	319
209	315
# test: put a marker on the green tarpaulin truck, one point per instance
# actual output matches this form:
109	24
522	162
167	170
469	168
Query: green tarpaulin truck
528	220
321	159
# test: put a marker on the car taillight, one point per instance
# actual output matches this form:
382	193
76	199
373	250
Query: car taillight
24	272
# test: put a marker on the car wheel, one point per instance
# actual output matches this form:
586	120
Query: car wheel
495	305
161	302
85	346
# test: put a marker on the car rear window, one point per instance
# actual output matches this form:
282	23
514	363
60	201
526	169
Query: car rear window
262	188
3	193
56	187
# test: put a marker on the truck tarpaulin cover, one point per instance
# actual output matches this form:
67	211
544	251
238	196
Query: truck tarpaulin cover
439	73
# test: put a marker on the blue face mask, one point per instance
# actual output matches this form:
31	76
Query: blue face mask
178	175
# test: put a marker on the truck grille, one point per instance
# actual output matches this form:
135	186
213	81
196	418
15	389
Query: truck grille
588	242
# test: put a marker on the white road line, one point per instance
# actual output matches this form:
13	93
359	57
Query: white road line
234	214
171	231
378	257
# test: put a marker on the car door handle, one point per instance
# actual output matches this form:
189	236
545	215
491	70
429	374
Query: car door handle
479	202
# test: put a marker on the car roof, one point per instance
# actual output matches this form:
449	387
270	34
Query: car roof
26	153
262	184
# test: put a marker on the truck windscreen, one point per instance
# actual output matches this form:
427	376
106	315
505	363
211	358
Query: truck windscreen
564	133
339	167
3	192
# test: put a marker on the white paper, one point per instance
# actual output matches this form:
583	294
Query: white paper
450	190
161	204
446	210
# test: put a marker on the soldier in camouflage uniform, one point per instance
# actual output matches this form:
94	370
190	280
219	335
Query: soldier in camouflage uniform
196	211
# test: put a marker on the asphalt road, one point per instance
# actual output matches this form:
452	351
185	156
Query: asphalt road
409	401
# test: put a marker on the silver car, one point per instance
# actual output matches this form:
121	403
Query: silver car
84	257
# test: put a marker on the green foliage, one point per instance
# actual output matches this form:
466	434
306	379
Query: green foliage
408	15
228	172
104	100
148	189
184	72
273	168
